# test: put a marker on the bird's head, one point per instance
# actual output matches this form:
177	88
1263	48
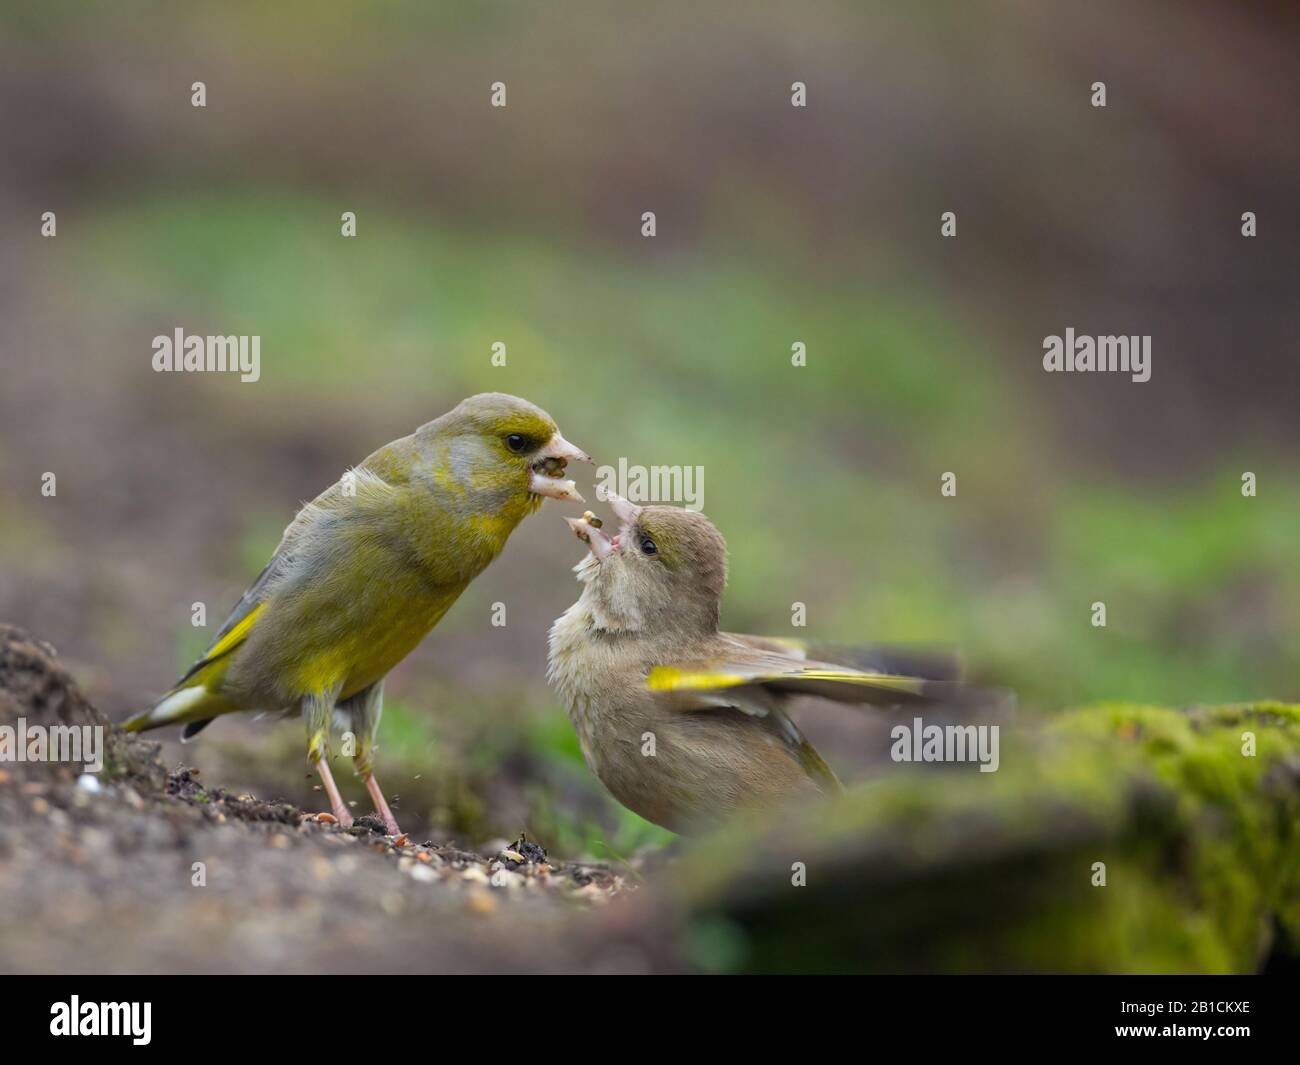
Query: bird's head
664	570
500	447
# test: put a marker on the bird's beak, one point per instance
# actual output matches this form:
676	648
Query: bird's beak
593	536
558	447
626	511
547	475
588	527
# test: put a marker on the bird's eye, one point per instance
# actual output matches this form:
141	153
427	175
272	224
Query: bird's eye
648	546
517	442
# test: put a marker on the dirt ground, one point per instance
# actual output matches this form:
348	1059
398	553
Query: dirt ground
141	868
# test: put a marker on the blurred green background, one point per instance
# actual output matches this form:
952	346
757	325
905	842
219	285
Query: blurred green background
775	225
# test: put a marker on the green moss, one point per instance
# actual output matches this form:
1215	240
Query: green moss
948	870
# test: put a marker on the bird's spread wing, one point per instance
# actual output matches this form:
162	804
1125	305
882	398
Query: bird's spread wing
757	675
740	664
821	679
926	663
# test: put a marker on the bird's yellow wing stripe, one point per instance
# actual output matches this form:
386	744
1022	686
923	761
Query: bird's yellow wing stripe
673	678
875	680
670	678
226	644
235	635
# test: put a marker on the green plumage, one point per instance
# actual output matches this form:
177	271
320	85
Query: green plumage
369	566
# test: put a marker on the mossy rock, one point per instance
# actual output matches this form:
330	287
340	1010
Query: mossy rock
951	870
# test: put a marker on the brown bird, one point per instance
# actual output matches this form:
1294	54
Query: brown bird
686	724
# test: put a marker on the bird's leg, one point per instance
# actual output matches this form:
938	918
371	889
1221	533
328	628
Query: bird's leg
316	713
381	805
365	708
337	804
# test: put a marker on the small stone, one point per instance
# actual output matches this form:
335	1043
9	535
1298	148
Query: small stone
422	873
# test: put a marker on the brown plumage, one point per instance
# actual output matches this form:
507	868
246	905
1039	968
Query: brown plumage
683	723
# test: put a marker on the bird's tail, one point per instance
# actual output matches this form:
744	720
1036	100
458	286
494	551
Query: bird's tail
181	705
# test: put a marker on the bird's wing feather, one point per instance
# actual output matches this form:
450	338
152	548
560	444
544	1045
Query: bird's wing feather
927	663
767	708
757	675
235	629
743	665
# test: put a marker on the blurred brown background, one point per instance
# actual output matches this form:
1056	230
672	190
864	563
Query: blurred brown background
775	224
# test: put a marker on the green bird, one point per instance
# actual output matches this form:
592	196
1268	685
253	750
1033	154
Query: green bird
365	570
686	724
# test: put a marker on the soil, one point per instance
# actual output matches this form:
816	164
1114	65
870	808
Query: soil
141	868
